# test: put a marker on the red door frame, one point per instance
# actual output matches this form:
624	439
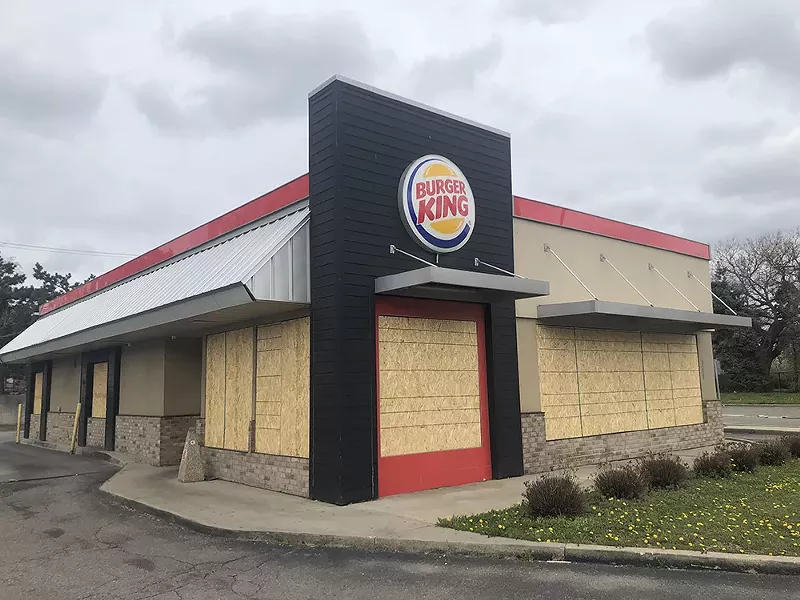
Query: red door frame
416	472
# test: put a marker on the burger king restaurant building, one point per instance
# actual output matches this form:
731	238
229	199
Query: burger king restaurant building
394	320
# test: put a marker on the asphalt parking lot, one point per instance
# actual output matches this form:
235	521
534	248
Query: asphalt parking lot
63	539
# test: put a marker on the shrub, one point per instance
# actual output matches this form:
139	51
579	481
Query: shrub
554	495
715	464
663	472
625	483
744	457
792	442
773	453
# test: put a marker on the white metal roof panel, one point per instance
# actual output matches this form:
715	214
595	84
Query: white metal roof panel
234	260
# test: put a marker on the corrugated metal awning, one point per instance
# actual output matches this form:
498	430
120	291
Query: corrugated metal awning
267	262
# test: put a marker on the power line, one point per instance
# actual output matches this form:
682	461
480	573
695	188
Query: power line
66	250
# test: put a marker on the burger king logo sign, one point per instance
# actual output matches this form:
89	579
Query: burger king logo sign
436	204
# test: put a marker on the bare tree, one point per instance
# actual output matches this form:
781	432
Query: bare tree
764	272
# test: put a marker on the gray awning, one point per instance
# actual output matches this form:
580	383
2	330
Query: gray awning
453	284
598	314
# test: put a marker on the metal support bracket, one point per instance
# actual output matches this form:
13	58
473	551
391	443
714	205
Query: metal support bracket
547	248
708	289
628	281
653	268
479	262
393	249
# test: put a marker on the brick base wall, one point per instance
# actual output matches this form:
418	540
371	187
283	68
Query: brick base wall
278	473
96	432
540	455
156	441
33	433
286	474
59	427
173	437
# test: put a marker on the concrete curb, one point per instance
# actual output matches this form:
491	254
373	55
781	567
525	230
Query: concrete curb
766	430
648	557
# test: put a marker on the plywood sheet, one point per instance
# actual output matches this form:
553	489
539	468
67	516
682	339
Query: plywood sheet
430	417
611	382
657	380
684	361
689	415
409	384
392	405
549	400
563	410
437	357
397	441
608	335
282	388
215	391
268	441
557	361
37	393
558	383
238	388
605	361
656	361
295	401
686	380
661	418
440	409
411	336
100	390
608	346
560	428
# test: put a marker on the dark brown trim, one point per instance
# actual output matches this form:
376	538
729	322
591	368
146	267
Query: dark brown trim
112	397
47	378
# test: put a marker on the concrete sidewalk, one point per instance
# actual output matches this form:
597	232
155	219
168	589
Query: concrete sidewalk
221	505
232	506
403	523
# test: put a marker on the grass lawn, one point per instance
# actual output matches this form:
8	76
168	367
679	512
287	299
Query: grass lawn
760	398
755	513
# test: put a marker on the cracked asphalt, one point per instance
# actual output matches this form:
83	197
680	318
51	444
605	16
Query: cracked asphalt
61	539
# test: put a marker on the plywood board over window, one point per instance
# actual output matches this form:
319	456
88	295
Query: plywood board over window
282	388
229	389
600	381
99	390
215	391
37	393
437	411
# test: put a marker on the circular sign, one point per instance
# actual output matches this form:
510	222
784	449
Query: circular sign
436	204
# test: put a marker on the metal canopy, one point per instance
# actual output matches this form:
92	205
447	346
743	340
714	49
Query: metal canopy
266	262
453	284
599	314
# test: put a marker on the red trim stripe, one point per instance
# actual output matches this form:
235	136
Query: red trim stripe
295	190
533	210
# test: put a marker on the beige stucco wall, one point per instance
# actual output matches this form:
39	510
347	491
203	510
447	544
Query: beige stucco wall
65	384
141	382
183	372
581	252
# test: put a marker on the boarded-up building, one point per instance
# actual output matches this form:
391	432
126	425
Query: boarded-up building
395	320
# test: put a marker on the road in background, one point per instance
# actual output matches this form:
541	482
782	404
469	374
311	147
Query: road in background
787	415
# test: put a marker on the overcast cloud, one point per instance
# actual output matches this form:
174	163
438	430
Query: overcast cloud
123	125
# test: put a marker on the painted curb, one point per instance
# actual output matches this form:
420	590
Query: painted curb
535	551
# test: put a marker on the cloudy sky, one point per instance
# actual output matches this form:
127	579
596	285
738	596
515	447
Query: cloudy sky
124	124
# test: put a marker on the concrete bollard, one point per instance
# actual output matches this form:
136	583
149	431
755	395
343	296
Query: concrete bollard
192	468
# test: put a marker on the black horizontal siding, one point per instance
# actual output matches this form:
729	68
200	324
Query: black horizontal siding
360	143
